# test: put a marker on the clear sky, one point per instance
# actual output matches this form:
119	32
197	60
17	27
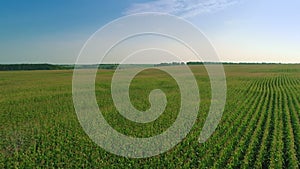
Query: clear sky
53	31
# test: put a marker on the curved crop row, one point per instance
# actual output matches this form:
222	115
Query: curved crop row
289	130
251	151
262	156
245	131
222	140
276	151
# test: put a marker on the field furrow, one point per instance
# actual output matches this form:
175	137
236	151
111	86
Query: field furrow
257	135
243	117
263	152
292	126
276	151
289	147
242	138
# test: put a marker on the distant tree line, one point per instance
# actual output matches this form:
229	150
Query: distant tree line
100	66
230	63
8	67
170	64
30	67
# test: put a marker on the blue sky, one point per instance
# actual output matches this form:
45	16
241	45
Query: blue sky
53	31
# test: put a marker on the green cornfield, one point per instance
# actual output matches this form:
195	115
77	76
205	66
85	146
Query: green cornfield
260	126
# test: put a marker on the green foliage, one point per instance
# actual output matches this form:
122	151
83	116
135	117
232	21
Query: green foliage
260	127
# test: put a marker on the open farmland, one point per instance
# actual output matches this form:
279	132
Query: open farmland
260	127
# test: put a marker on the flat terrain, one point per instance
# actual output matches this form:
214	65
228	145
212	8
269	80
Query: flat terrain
260	127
